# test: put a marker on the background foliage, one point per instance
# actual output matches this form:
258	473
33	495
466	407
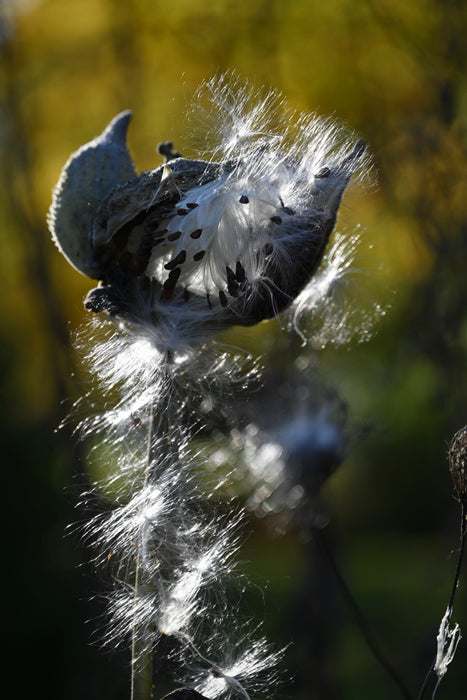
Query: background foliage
396	72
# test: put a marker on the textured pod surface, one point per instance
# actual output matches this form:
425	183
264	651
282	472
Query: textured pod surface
128	203
88	176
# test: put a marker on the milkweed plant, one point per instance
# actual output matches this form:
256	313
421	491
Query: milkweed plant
181	253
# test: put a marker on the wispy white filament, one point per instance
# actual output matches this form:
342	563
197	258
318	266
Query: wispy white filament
244	232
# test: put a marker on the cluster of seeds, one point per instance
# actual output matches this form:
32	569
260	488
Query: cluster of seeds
180	242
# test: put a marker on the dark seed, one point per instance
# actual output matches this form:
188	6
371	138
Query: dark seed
192	205
208	299
174	275
288	211
174	236
156	241
223	298
230	274
182	212
172	279
268	249
178	260
240	272
170	284
324	172
197	233
199	256
276	219
232	284
244	199
186	295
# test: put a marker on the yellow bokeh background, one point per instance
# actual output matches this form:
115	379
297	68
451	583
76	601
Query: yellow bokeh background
395	72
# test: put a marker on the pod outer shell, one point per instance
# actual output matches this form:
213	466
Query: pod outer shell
86	179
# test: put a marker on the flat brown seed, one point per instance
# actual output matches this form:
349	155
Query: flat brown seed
172	279
197	233
192	205
199	256
178	260
223	298
174	236
243	199
276	219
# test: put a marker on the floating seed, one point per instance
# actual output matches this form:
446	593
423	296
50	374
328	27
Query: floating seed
240	274
183	212
208	299
174	236
223	298
192	205
197	233
199	256
178	260
244	199
288	211
186	295
276	219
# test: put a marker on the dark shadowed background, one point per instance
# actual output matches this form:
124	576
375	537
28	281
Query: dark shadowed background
396	72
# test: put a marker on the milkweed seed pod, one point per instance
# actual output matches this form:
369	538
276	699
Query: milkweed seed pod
458	463
195	246
88	176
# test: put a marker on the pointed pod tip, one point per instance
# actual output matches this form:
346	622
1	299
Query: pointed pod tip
117	129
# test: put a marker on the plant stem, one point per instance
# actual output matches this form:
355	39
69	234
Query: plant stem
463	533
142	638
372	644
